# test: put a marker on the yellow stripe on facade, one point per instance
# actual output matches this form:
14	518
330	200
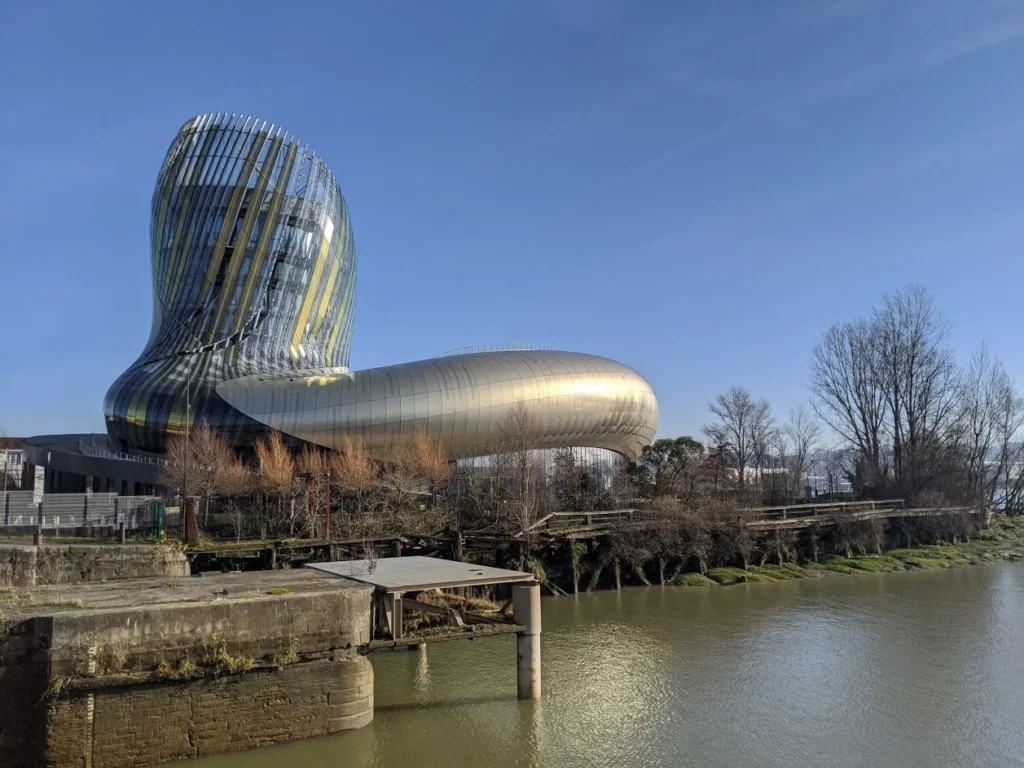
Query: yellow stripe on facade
176	259
270	228
307	302
170	182
165	201
339	322
228	225
339	319
181	268
242	241
325	300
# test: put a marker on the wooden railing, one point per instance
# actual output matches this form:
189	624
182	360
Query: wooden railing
454	544
813	510
560	521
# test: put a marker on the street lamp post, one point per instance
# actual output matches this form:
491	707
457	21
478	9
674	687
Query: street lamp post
188	418
251	326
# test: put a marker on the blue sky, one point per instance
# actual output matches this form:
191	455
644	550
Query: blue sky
697	189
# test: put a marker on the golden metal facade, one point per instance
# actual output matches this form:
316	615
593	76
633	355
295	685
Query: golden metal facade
572	399
254	279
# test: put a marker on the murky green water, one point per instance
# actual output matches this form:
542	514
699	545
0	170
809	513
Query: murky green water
906	669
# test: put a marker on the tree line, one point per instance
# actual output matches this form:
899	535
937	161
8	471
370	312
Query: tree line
903	419
917	423
279	490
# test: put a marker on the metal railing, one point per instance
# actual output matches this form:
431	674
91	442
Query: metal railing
497	348
88	447
78	510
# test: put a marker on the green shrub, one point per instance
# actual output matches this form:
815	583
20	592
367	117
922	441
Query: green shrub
694	580
727	576
876	564
779	573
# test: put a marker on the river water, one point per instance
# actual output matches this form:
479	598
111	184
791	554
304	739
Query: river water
907	669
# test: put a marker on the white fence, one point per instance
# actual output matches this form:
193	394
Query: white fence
77	510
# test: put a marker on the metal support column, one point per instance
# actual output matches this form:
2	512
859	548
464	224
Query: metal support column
526	611
393	612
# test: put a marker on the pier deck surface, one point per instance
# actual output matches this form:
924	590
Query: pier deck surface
152	592
417	573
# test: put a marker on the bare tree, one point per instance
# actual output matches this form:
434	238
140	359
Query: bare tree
981	383
514	433
671	467
743	426
316	491
399	479
776	465
992	415
763	439
430	462
621	487
355	472
835	463
1007	482
803	433
566	482
848	394
890	386
919	378
356	475
276	473
237	482
202	463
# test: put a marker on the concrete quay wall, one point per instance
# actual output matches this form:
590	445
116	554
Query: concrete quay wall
151	723
30	566
141	672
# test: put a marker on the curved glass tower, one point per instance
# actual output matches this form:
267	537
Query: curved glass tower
253	272
253	301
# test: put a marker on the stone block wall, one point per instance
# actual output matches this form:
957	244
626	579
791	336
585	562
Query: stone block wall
27	566
153	723
231	662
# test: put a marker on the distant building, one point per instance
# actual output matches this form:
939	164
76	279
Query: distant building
12	463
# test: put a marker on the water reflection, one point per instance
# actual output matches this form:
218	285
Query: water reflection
422	679
915	669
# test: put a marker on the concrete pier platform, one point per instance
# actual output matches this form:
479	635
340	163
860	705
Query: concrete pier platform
393	577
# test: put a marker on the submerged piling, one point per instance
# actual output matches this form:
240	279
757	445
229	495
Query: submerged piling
526	612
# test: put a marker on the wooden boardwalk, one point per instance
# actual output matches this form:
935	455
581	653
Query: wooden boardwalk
551	527
796	518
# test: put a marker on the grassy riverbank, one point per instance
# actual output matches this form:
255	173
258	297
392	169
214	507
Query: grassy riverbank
1003	540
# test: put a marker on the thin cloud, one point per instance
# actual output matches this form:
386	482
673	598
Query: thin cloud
938	158
692	75
979	40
